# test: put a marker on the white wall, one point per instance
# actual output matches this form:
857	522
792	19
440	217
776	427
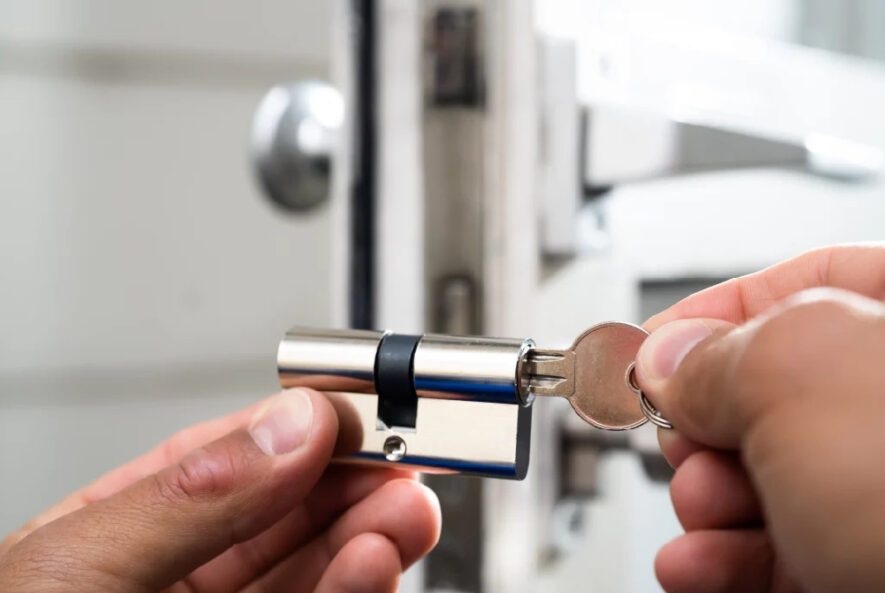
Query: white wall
144	281
290	30
772	19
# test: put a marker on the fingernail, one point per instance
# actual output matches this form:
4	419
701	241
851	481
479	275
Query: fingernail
283	425
662	352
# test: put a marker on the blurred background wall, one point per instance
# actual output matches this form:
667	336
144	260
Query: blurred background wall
851	26
144	280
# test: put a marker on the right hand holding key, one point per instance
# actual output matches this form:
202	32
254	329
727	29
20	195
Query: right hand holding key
775	383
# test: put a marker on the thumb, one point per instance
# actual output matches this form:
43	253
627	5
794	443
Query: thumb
809	354
683	368
161	528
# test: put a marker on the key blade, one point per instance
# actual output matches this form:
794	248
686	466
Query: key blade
551	372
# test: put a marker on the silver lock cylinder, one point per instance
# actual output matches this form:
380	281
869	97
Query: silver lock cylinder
328	359
479	369
434	403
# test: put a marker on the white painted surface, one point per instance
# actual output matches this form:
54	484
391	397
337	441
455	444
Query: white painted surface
622	530
132	233
144	280
400	212
729	224
267	28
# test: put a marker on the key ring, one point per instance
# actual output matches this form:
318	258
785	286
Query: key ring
645	405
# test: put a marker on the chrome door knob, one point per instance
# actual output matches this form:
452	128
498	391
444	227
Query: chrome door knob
294	132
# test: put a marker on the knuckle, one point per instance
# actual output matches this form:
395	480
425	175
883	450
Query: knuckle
820	303
796	328
783	348
684	495
255	554
203	473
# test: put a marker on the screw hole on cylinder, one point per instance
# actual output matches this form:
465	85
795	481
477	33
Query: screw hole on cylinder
394	448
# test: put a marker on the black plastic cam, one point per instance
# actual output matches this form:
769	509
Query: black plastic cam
394	380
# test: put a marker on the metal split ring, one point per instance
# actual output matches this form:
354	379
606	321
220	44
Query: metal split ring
645	405
652	413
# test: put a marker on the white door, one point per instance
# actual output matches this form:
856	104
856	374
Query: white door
144	279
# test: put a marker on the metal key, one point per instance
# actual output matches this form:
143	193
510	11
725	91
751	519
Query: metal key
594	374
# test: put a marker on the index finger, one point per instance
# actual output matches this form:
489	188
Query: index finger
858	268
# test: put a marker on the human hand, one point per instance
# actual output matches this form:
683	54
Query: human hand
777	394
244	503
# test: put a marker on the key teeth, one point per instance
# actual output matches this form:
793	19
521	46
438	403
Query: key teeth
542	357
551	372
545	382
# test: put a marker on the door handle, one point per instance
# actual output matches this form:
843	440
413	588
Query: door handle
294	132
624	144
